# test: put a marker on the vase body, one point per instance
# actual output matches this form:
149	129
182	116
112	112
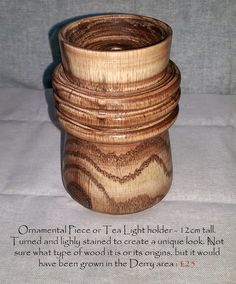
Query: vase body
116	95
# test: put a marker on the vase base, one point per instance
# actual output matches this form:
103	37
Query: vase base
130	207
117	179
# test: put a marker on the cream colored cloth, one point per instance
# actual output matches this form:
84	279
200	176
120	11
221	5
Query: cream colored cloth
202	194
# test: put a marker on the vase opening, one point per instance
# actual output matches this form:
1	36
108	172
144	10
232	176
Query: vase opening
116	32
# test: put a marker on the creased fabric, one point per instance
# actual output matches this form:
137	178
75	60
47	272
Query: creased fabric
202	193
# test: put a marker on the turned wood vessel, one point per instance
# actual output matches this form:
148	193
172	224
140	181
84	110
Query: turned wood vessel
116	95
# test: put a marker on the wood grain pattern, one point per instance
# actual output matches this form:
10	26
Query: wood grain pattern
116	96
135	179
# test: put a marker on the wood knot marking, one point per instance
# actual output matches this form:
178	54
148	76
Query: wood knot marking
79	194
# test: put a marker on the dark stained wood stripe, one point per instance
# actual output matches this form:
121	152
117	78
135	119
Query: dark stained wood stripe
126	178
122	159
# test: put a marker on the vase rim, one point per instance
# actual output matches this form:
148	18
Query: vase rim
65	33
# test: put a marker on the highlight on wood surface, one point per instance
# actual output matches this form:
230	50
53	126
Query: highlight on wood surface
116	95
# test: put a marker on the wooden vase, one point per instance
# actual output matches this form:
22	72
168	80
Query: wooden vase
116	95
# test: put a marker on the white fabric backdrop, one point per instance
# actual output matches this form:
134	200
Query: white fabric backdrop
203	138
203	190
